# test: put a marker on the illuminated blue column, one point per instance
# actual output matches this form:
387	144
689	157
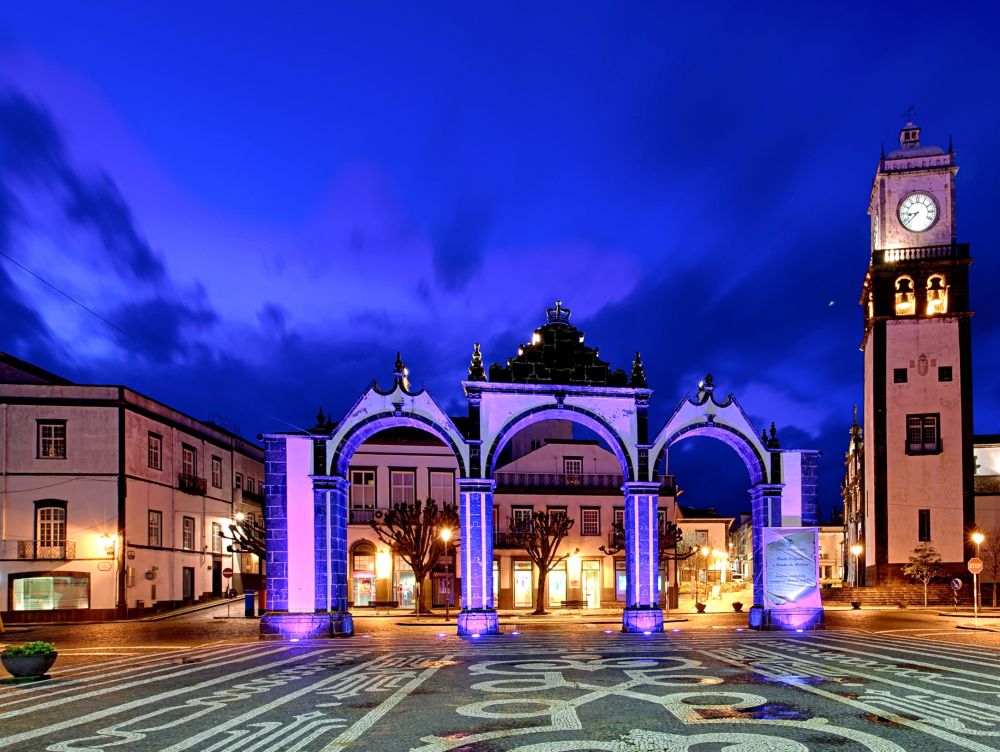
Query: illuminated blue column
330	550
642	608
478	615
765	511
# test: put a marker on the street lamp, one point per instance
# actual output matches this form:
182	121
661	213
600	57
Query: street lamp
446	537
977	538
856	549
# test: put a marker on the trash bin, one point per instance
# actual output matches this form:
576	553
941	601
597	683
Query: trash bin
248	603
140	605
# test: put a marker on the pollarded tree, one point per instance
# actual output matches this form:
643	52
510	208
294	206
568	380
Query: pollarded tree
413	533
670	543
540	538
924	565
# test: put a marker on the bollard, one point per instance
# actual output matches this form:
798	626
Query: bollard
248	604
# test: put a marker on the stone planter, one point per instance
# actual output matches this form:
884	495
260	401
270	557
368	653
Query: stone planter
737	606
700	607
22	666
855	605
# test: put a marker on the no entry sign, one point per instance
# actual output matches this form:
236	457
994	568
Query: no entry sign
975	565
227	572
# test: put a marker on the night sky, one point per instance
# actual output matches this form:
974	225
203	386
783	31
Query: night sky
267	204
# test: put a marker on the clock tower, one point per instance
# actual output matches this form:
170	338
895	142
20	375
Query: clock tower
918	455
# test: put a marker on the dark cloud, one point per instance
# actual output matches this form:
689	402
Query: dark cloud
33	153
162	329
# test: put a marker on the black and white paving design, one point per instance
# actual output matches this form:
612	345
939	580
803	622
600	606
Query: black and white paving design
702	691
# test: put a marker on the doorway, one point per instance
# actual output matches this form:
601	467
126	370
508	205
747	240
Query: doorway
216	578
522	584
592	583
187	583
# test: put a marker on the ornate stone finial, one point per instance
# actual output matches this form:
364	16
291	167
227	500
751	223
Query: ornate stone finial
558	315
401	374
638	380
328	426
772	442
476	370
763	436
320	418
707	384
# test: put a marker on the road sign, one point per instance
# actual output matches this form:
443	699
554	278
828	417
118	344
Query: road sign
956	584
975	565
227	572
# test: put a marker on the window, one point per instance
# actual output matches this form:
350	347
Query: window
521	515
937	295
701	537
216	538
155	528
899	375
590	521
362	489
52	439
619	518
363	558
923	434
924	524
51	526
442	483
573	469
906	302
154	451
661	520
556	512
238	483
187	534
944	373
47	591
250	484
402	487
188	457
217	472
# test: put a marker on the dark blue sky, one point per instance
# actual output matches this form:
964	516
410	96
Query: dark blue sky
274	202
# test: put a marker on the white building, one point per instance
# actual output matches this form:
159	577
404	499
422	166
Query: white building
113	503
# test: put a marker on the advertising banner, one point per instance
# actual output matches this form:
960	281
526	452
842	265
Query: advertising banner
791	568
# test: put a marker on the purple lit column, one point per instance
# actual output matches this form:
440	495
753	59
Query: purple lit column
765	511
642	609
330	550
478	615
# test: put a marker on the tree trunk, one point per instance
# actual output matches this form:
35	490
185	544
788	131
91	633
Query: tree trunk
540	592
925	594
418	587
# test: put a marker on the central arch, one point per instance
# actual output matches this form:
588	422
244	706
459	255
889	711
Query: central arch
574	414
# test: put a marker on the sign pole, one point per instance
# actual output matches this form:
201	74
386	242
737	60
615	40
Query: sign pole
975	566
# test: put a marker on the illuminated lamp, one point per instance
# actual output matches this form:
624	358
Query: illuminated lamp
383	565
574	566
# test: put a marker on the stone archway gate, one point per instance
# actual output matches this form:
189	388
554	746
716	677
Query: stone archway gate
553	376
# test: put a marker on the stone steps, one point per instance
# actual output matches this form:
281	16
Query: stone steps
891	595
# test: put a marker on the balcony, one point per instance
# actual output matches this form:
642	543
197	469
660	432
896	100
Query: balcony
192	484
505	540
512	482
58	550
892	255
250	497
360	516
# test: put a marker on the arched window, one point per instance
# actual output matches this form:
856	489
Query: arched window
363	558
937	295
906	301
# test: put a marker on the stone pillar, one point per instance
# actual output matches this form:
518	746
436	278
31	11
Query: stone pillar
765	511
276	524
330	499
642	607
478	614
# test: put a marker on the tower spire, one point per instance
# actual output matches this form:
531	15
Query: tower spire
476	370
638	380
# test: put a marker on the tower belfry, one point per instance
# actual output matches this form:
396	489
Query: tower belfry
918	453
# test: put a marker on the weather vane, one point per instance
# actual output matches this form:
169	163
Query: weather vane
909	114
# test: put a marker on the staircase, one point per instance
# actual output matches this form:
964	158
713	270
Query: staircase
938	594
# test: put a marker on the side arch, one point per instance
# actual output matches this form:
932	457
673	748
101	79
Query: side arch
572	413
372	424
728	435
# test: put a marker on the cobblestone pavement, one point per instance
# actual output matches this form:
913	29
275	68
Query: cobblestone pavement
570	686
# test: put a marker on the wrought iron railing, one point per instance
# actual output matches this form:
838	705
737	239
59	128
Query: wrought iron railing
192	484
508	480
33	549
361	516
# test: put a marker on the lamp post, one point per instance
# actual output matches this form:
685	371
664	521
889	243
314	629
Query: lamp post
977	538
856	549
446	537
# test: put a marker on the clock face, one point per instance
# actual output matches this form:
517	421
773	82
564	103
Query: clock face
874	230
918	212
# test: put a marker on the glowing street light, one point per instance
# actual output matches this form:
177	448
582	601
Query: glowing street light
856	549
977	538
446	537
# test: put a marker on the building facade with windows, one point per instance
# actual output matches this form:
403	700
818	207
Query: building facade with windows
113	503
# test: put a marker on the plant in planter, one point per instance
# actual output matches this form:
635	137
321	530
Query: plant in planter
737	606
700	607
901	604
32	659
855	605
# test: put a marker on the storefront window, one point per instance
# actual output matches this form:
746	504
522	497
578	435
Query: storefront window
592	583
522	584
557	585
363	574
496	583
620	580
47	592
